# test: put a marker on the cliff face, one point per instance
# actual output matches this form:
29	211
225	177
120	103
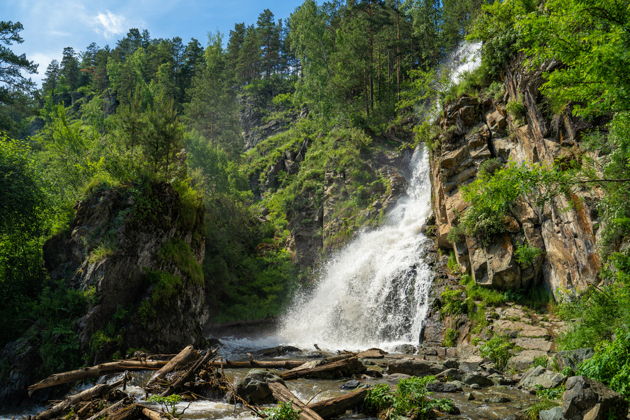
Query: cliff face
140	254
474	130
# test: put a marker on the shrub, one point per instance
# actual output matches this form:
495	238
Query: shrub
450	337
410	399
453	302
452	265
498	349
611	363
526	255
517	110
456	234
283	411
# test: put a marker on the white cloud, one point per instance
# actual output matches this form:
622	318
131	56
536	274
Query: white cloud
110	24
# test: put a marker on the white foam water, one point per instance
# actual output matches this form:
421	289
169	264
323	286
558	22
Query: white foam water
374	291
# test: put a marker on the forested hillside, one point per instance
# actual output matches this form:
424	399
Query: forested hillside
157	181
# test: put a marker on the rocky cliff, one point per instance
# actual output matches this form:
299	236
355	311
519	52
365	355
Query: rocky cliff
134	253
474	130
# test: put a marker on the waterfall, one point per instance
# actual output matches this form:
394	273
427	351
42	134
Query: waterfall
374	291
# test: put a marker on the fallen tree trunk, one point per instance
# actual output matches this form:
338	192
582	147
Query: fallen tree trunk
270	364
104	413
96	391
337	406
182	358
283	394
338	369
94	371
188	374
150	414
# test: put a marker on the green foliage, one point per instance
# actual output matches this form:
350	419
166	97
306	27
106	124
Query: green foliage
596	314
283	411
491	196
178	252
498	349
168	404
410	399
517	110
450	337
540	361
452	264
534	410
453	302
611	363
526	255
455	235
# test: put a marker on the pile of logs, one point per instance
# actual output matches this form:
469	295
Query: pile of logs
195	375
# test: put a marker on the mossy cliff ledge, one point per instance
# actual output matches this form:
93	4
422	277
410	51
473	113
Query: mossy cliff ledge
140	251
515	127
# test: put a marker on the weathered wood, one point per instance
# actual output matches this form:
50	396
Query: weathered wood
104	413
270	364
338	369
132	411
334	407
283	394
95	371
96	391
189	373
152	415
180	360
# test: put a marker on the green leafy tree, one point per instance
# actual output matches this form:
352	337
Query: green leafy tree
11	64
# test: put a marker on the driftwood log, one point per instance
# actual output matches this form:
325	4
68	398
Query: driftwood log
184	357
188	374
152	415
89	394
334	407
338	369
94	372
269	364
283	394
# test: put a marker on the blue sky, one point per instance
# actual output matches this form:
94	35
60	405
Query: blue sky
51	25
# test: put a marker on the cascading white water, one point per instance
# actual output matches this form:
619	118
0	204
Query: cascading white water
374	291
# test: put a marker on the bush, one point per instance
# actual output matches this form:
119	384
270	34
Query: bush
498	349
517	110
611	363
283	411
526	255
450	337
410	399
453	302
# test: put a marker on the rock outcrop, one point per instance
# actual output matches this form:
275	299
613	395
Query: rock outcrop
476	130
140	254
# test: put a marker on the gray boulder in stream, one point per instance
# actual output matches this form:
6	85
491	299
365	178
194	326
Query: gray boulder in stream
254	387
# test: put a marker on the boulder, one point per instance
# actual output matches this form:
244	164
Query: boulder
254	388
444	387
451	374
351	384
551	414
540	377
572	358
585	396
477	379
414	367
524	359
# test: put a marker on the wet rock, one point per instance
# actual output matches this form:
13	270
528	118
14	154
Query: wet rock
572	358
477	379
394	378
405	349
451	364
351	384
497	400
469	396
540	377
551	414
450	374
444	387
501	380
254	387
414	367
583	394
277	351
